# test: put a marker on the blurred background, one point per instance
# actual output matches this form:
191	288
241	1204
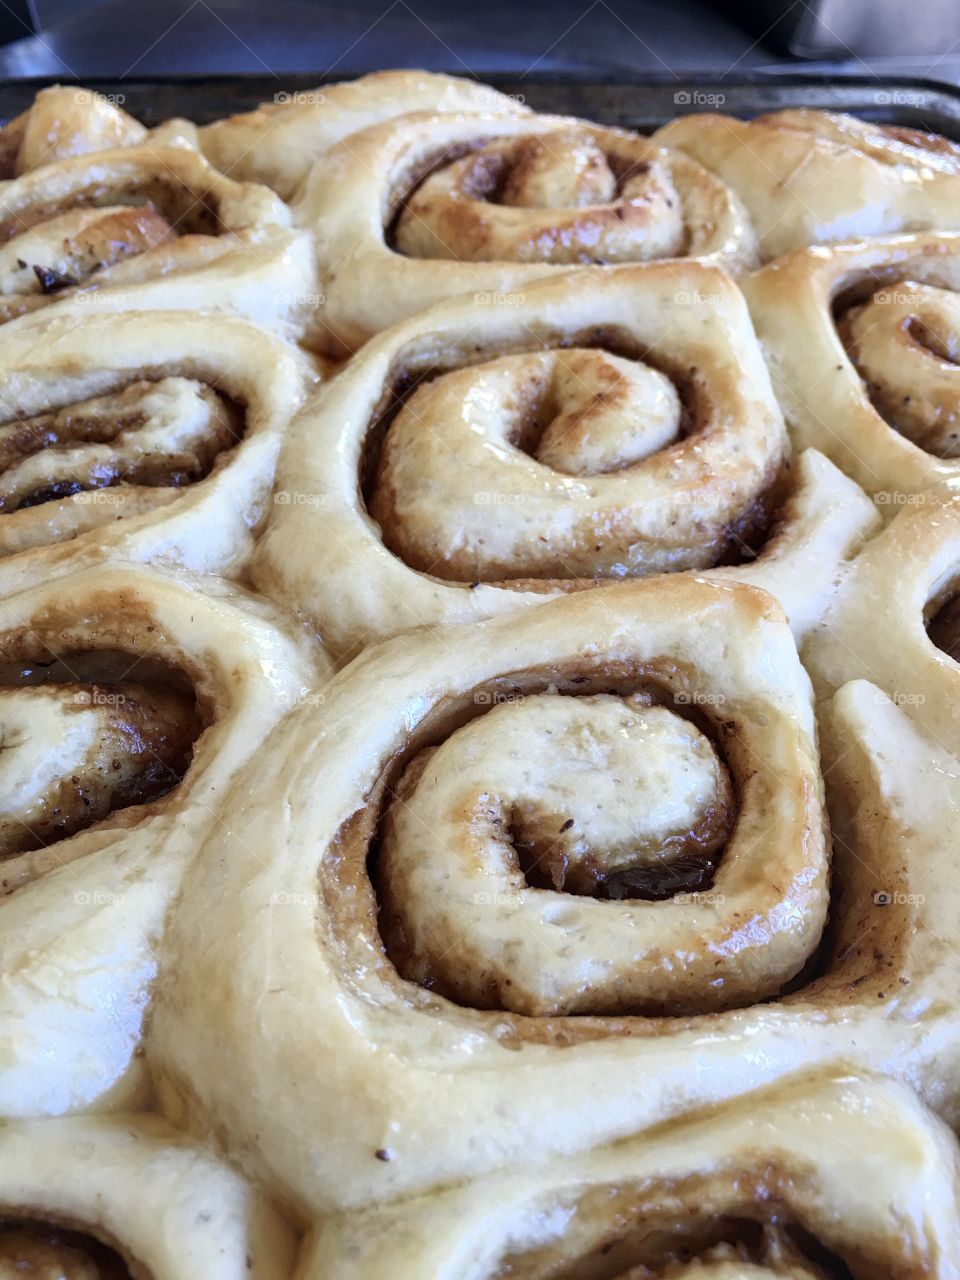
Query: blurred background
117	38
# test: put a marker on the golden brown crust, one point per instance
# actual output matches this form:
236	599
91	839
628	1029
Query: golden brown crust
815	178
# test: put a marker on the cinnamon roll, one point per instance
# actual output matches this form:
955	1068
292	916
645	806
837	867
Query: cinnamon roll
64	121
902	592
860	340
806	1182
116	1198
128	699
278	142
552	857
152	433
420	208
148	227
816	177
481	456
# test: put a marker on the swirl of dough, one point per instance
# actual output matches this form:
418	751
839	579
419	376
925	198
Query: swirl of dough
557	810
156	433
408	219
817	177
861	343
278	142
148	226
828	1179
596	466
479	457
73	753
127	698
904	342
555	198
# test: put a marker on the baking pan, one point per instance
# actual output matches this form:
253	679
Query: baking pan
638	104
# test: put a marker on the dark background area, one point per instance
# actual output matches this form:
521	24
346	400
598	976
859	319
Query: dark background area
118	39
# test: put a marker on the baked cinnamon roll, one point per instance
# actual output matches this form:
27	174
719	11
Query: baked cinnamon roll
860	340
816	177
521	862
578	853
155	434
116	1198
805	1182
148	227
128	699
418	209
64	121
278	142
482	456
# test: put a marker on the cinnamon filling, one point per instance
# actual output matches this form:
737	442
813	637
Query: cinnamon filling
151	434
85	735
652	1247
943	627
31	1250
904	340
184	210
564	197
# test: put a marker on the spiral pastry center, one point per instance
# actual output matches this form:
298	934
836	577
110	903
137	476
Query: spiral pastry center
905	343
594	465
72	753
142	442
557	855
560	197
